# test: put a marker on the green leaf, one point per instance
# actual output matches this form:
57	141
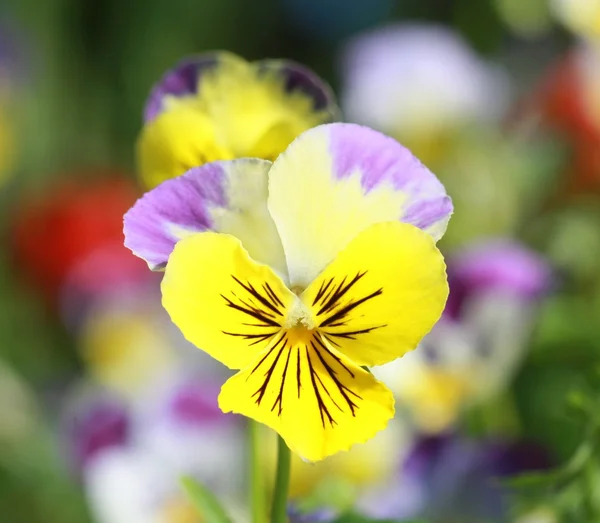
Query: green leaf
205	502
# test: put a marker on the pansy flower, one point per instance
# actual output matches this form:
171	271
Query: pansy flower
217	106
301	272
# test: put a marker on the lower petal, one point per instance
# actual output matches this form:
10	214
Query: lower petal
318	400
223	301
381	295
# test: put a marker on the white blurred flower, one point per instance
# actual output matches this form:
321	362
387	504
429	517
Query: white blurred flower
176	431
124	485
419	78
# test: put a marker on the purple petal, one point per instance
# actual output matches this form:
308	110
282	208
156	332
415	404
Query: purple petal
228	197
182	80
298	78
152	225
382	160
336	180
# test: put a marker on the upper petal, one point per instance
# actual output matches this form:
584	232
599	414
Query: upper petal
181	81
248	101
227	196
334	181
299	79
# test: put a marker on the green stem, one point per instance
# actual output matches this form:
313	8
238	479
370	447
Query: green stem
282	483
257	480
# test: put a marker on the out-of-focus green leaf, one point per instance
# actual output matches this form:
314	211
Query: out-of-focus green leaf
205	502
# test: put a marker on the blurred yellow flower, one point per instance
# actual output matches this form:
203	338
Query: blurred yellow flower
580	16
219	106
125	350
180	511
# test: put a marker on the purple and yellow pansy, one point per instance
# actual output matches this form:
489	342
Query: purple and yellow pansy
217	106
299	273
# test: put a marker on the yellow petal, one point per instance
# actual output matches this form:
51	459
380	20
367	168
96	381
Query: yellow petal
253	113
314	397
336	180
224	302
179	138
381	295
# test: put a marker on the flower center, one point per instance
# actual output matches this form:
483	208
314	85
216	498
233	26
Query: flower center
299	317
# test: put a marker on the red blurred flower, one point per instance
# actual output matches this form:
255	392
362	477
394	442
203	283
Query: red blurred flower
75	231
561	102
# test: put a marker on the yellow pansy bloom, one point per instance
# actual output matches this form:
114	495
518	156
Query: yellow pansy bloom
323	264
218	106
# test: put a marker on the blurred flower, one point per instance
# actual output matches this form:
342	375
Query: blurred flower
218	106
473	351
449	479
94	425
568	101
187	432
314	309
126	345
75	229
126	485
176	431
318	516
580	16
421	84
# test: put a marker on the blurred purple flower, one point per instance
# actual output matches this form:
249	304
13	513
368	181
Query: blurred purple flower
317	516
13	53
499	265
454	480
93	427
183	427
193	403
